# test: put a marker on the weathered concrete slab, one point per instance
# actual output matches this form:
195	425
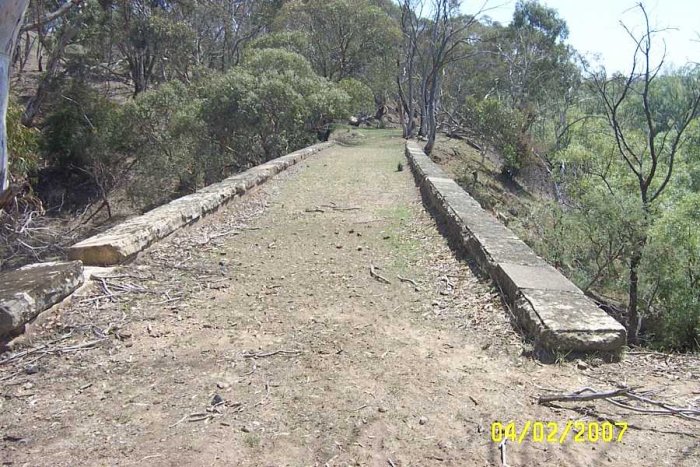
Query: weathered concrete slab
552	310
125	240
569	321
513	278
26	292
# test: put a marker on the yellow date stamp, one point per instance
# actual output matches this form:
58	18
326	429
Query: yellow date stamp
578	431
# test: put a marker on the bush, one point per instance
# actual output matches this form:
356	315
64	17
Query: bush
672	272
77	123
165	134
82	143
361	96
180	137
500	127
278	101
23	144
184	137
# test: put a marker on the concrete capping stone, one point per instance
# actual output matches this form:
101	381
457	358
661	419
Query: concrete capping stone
549	307
29	290
122	242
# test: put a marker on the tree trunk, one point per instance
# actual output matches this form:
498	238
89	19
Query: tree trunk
11	18
633	306
138	73
431	126
423	128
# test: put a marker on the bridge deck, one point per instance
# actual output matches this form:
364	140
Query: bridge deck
268	308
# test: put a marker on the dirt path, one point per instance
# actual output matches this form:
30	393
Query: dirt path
268	310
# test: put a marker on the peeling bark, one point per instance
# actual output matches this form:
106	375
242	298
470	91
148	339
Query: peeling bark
11	18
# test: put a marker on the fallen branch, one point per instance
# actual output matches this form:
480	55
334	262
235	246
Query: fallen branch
374	274
410	281
24	353
223	234
579	396
589	394
335	207
270	354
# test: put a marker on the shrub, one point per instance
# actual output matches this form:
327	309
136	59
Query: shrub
164	135
672	274
500	127
81	142
278	101
78	121
23	144
361	96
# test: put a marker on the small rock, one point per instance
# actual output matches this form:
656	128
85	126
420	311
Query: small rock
31	369
245	429
217	400
423	420
222	385
581	365
381	409
121	335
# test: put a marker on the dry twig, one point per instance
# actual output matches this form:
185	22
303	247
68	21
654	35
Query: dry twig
589	394
410	281
374	274
270	354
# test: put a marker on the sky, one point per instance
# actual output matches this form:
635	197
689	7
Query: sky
595	30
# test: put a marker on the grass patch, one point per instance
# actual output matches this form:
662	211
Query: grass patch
405	250
251	440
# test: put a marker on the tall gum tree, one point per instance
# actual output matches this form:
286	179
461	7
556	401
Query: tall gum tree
11	24
11	19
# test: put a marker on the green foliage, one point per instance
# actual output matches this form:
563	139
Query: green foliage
361	96
594	236
277	99
672	274
178	137
80	127
164	130
345	37
23	144
500	127
293	41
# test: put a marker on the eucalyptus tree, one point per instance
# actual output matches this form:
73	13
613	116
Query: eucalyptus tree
344	36
11	17
12	14
648	136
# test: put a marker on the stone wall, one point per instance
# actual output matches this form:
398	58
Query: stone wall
30	290
550	308
125	240
27	291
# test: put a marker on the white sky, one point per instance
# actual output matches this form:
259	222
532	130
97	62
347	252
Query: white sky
594	27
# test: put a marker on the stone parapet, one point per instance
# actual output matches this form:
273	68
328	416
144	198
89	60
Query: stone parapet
551	309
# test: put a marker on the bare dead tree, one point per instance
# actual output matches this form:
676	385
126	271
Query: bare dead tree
447	33
651	163
412	29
